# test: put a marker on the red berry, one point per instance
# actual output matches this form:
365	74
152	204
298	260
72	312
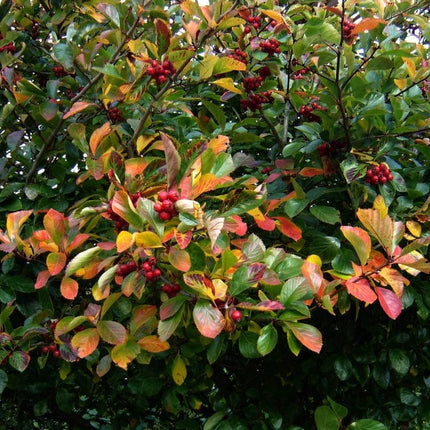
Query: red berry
390	177
167	204
146	266
382	179
149	275
45	349
158	207
176	288
167	288
173	195
162	195
236	315
56	353
165	216
156	272
52	347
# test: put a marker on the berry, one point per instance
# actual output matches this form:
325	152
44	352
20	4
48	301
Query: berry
236	315
163	195
56	353
165	216
149	275
160	72
45	349
115	115
239	55
173	195
59	71
270	46
379	174
158	207
52	347
156	273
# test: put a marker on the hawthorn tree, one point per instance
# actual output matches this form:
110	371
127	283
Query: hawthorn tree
211	206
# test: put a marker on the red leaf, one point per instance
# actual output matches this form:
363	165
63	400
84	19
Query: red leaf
42	279
77	107
69	288
309	172
360	288
183	239
76	242
390	303
266	224
235	225
288	228
56	262
54	224
256	272
308	335
209	320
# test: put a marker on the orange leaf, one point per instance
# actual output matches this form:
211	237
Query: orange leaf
54	222
42	279
360	288
153	344
360	240
124	240
69	288
218	144
179	259
312	272
390	303
307	335
208	319
76	242
235	225
309	172
98	135
394	279
77	107
15	221
207	182
367	24
141	315
183	239
56	262
85	341
135	166
288	228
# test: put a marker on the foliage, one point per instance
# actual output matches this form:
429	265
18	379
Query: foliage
208	197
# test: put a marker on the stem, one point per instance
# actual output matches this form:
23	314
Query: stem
271	126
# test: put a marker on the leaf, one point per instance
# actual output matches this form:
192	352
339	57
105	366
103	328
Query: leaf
147	239
308	335
267	340
103	366
394	279
3	381
179	259
360	240
262	220
288	228
360	288
366	424
171	306
54	223
163	35
55	261
141	315
69	288
246	277
200	283
248	344
123	206
76	108
98	135
168	326
179	370
14	222
124	241
85	341
208	319
367	24
19	360
309	172
228	84
81	260
294	289
264	306
173	160
48	110
125	353
42	279
153	344
112	332
214	227
390	303
183	239
399	361
325	214
326	419
226	64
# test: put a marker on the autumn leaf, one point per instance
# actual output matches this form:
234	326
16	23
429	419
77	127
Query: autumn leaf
208	319
56	262
76	108
390	303
69	288
360	288
85	341
153	344
308	335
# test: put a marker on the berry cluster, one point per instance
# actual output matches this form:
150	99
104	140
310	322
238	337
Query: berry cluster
307	111
379	174
264	72
161	71
255	101
34	30
114	115
254	21
59	71
10	47
270	46
46	349
126	268
165	207
347	28
299	74
150	271
71	94
327	149
267	170
238	55
171	290
252	83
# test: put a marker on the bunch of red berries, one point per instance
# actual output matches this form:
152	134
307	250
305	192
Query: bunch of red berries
114	115
59	71
307	111
264	72
171	290
379	174
165	207
347	28
46	349
151	272
126	268
10	47
238	55
252	83
161	71
255	101
270	46
325	149
254	21
267	170
299	74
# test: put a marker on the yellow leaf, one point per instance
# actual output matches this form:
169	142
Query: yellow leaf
143	142
124	240
379	205
228	84
410	65
220	289
179	370
153	344
20	98
147	239
315	259
414	227
401	83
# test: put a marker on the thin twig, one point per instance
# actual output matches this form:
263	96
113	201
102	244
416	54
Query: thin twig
271	126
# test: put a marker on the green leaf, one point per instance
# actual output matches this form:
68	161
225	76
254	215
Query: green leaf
215	348
217	113
399	361
326	247
267	340
112	332
213	421
326	419
168	326
19	360
294	289
326	214
381	375
343	368
248	344
3	381
81	260
63	53
366	424
145	207
340	410
294	206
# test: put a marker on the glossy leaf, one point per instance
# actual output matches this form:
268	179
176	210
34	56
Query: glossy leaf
308	335
360	240
208	319
390	303
168	326
42	278
267	340
122	206
98	136
19	360
153	344
147	239
85	341
54	223
173	160
360	288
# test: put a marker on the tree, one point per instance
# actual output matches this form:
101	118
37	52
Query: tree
191	194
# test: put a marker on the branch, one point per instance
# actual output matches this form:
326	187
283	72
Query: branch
271	126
